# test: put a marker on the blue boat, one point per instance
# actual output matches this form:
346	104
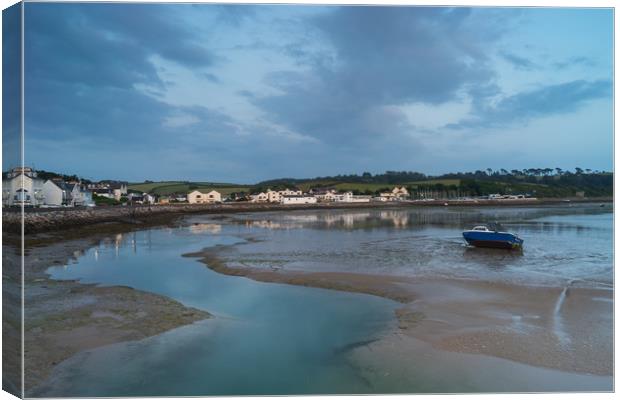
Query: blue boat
492	235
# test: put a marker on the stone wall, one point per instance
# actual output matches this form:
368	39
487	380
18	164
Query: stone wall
40	220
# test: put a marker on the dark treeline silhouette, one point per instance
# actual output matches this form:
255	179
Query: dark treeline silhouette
45	175
543	182
532	175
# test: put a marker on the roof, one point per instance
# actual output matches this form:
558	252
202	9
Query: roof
62	185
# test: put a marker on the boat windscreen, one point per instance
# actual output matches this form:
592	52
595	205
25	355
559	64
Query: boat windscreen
496	226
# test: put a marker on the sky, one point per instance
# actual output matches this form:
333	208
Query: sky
243	93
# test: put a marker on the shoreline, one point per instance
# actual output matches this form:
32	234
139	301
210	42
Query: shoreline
531	325
65	317
421	317
38	220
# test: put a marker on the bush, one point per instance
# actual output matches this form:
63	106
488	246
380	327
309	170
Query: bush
104	201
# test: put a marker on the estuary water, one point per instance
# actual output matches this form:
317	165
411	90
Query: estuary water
264	338
270	338
562	243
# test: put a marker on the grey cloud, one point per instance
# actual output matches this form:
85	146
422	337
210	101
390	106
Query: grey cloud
210	77
549	100
83	65
518	61
384	56
574	61
106	44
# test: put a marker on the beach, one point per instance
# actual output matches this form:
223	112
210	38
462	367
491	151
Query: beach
554	328
481	317
63	318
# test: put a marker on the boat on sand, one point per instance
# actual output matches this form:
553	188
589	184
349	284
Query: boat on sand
492	235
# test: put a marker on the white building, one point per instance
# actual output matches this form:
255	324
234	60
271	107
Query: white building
22	186
59	193
197	197
261	197
298	199
149	198
54	195
398	193
290	192
326	196
110	189
349	197
273	196
276	196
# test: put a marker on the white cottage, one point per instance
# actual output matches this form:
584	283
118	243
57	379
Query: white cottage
59	193
298	199
22	186
261	197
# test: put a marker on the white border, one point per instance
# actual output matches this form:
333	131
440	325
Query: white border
480	3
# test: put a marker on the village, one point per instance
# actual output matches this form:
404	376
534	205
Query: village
24	186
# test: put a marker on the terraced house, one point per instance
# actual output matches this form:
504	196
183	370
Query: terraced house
197	197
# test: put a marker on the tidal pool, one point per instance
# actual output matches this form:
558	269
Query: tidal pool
270	338
264	338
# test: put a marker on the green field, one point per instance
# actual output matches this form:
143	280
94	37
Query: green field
166	188
469	186
169	187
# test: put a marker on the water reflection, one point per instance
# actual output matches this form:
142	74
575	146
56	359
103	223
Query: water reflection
561	243
495	259
269	224
265	338
520	218
205	228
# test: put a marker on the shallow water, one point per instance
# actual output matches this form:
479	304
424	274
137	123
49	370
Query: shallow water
264	339
277	339
562	244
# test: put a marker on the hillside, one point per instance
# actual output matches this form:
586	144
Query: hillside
535	182
538	182
170	187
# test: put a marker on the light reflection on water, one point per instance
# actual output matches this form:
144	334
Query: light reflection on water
278	339
561	243
264	339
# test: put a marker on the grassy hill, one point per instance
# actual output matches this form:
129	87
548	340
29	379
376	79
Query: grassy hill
565	184
170	187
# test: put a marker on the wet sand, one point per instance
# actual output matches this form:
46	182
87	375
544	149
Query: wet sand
564	330
63	318
568	330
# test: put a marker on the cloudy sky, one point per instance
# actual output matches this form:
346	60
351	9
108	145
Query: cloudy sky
245	93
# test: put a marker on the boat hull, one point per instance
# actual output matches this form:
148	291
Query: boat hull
496	240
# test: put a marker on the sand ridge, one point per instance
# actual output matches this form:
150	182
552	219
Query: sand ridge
515	322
